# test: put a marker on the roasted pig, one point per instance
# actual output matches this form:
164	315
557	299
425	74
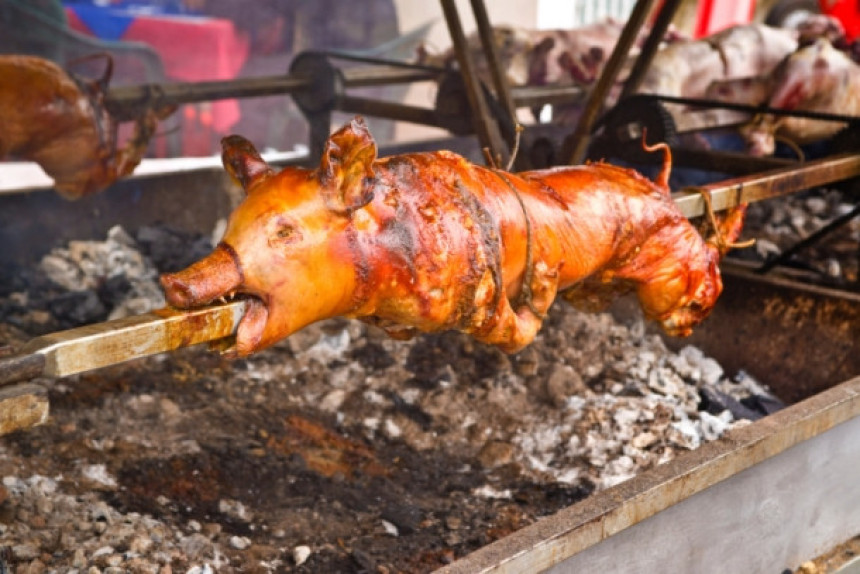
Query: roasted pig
49	117
430	242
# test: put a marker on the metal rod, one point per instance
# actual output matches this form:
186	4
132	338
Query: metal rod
124	102
125	99
376	76
754	110
102	344
491	53
729	193
813	238
664	17
353	57
708	160
486	128
577	143
390	110
727	162
21	368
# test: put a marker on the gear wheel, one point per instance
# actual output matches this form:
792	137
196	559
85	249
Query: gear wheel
624	124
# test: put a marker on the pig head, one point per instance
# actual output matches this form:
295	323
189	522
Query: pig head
286	247
818	78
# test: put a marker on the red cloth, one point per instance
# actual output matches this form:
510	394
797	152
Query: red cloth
193	49
847	12
716	15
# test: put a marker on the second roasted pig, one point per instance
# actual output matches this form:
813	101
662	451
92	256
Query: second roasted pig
432	242
49	117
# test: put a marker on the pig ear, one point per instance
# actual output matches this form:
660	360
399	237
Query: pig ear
346	161
243	162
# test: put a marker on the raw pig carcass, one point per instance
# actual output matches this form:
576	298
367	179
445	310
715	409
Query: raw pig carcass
431	242
48	117
817	78
687	68
544	57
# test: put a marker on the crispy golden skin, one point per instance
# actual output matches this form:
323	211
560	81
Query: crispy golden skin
430	242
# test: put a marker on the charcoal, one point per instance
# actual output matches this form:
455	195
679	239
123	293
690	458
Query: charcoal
15	278
764	404
171	249
372	356
363	560
413	412
714	402
76	308
114	290
406	518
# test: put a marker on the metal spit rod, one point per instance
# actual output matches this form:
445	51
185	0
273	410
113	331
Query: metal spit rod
125	102
577	142
94	346
747	189
26	405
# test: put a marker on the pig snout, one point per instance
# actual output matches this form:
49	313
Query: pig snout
214	276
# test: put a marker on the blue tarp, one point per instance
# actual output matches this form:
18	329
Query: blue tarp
105	23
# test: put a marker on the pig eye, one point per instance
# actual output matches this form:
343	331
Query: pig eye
284	234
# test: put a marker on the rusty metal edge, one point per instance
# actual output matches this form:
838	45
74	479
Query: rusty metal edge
570	531
774	183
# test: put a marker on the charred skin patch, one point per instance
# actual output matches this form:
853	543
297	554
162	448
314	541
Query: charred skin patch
361	265
487	249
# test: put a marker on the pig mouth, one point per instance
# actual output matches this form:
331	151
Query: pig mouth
220	278
252	325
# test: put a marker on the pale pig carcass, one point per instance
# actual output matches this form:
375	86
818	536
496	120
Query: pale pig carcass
817	78
688	68
544	57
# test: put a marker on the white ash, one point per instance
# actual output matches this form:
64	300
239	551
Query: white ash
240	542
390	529
301	554
88	264
95	536
235	509
98	475
621	401
488	491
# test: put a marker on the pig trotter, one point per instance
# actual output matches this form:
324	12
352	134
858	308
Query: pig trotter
727	230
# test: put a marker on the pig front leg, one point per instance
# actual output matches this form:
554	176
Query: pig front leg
513	329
